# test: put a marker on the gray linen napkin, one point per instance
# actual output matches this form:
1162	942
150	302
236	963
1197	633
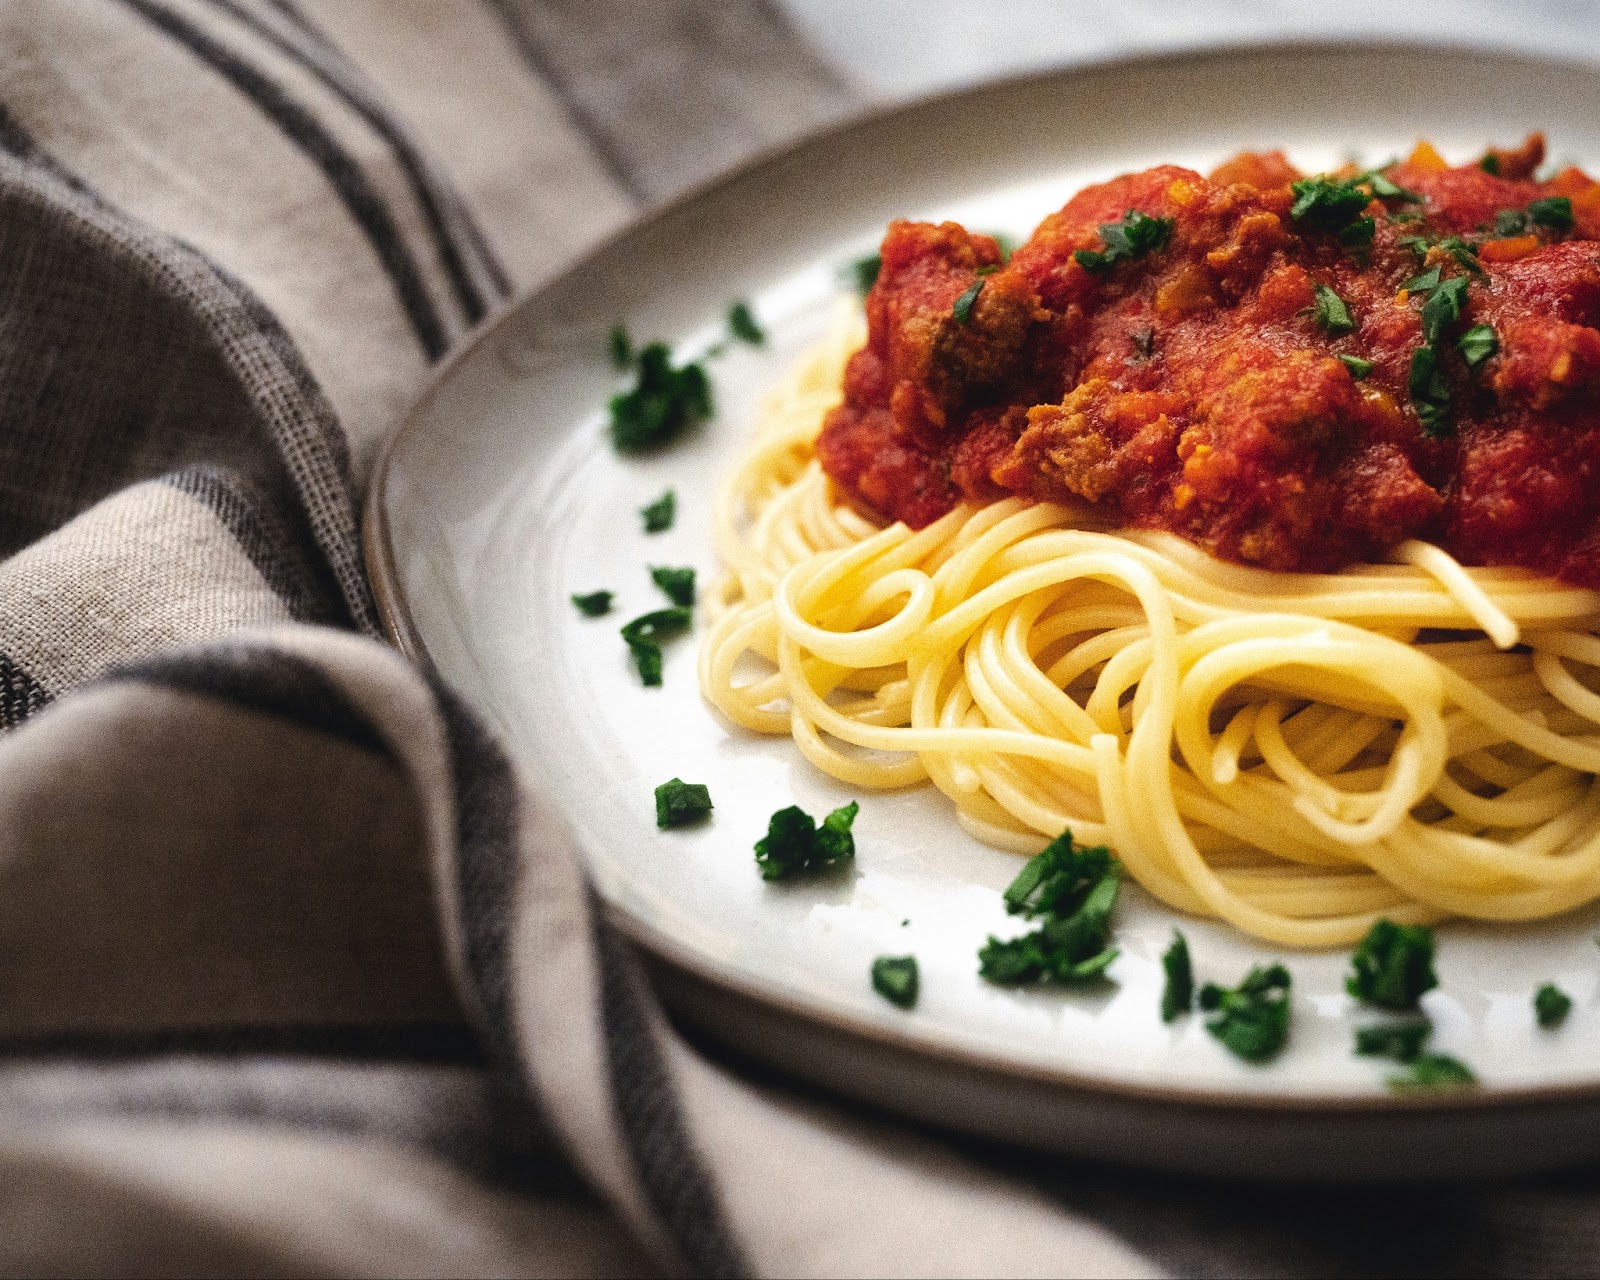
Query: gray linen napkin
292	979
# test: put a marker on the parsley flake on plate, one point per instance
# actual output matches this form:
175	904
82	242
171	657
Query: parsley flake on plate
1434	1071
1393	965
796	846
678	584
1551	1005
621	346
679	803
1073	889
1401	1041
594	605
896	979
664	402
658	516
1252	1019
1177	996
645	634
742	325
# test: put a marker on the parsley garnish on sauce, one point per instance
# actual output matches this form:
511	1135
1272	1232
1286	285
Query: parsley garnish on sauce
645	634
594	605
796	846
1443	308
864	272
1554	213
895	978
1136	235
1490	164
961	311
1430	393
1551	1005
663	402
677	583
679	803
1331	312
1073	890
1328	204
742	325
1393	965
1358	367
1177	996
1252	1019
1477	344
658	516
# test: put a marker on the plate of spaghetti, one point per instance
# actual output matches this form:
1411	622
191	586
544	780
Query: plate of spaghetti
1165	541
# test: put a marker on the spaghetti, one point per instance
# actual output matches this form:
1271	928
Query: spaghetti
1295	753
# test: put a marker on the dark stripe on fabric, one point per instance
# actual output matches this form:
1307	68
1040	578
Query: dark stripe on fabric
594	132
293	411
425	185
677	1187
262	538
441	1042
342	172
664	1158
20	694
266	681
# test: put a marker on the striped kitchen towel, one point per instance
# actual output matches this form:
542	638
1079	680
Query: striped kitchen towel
291	981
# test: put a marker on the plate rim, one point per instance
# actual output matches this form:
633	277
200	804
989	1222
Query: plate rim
401	630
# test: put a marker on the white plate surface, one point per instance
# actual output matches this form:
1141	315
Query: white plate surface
500	499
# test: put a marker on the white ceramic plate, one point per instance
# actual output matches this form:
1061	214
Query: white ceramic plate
500	498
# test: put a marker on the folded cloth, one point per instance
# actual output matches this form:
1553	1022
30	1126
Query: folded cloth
293	978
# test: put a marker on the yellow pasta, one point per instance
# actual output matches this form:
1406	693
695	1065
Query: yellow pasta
1297	754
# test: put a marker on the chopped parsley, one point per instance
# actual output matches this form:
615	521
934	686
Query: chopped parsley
1551	1005
1490	164
961	311
1358	236
679	803
1328	204
1393	965
742	325
1178	994
1401	1041
594	605
1074	890
1252	1019
658	516
1553	213
1358	367
1136	235
645	634
663	402
677	583
1385	189
1477	344
1510	222
621	346
1430	393
864	272
1007	244
895	978
1434	1071
1331	313
1443	307
796	846
1423	283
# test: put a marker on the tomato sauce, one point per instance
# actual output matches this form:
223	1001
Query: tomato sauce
1235	359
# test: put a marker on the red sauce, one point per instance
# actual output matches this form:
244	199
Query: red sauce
1193	388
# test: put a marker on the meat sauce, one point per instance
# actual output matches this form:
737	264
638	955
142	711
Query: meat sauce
1247	374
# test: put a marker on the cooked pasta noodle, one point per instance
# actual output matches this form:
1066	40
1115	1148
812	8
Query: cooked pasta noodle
1297	754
